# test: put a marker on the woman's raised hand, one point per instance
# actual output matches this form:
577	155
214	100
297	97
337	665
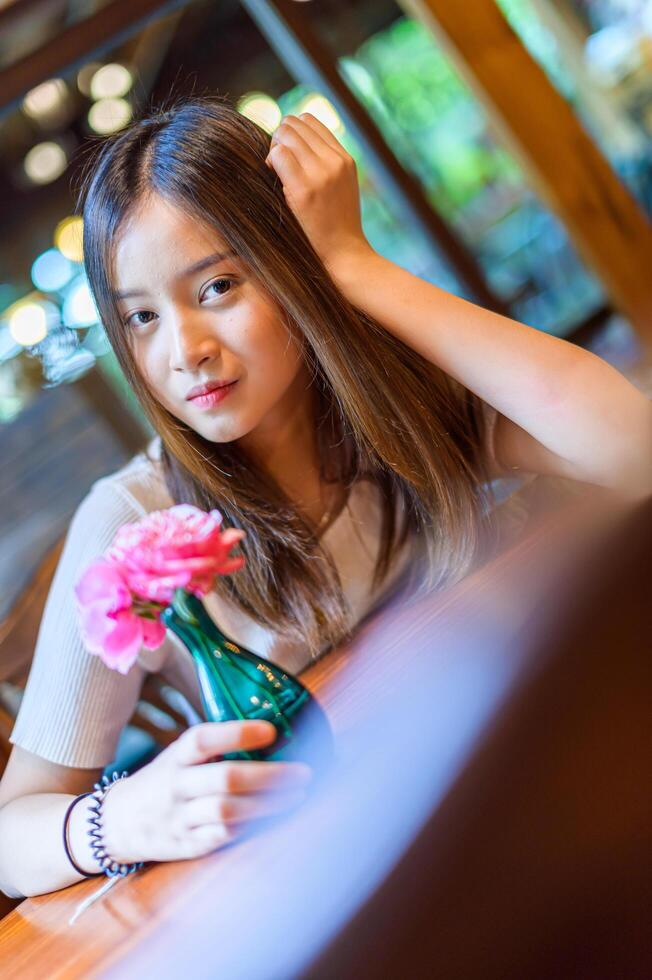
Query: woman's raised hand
320	184
181	805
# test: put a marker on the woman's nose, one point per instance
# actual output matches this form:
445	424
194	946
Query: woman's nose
191	344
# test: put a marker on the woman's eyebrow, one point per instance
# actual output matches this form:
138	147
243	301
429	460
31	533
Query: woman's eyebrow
190	271
207	262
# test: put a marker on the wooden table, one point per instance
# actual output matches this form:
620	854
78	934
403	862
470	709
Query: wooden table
415	690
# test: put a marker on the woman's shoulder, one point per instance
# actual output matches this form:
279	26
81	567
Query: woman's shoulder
118	498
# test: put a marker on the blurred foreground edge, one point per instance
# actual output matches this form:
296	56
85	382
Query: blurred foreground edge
538	862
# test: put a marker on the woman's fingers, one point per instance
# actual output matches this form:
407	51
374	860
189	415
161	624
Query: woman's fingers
295	162
320	184
299	139
281	159
321	132
226	810
198	841
204	741
307	143
240	777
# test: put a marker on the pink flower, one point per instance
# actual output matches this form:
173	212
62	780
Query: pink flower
110	626
182	547
121	596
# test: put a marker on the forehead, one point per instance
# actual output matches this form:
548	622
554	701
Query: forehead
161	237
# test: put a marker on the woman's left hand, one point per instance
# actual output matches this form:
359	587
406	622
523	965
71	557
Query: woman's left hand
320	184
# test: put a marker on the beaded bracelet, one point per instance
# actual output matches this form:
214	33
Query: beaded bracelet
80	871
110	866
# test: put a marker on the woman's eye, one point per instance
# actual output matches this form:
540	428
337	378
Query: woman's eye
134	319
219	286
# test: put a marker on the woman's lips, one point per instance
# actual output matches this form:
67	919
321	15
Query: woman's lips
214	397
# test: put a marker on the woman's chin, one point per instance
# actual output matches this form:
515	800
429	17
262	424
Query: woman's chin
222	430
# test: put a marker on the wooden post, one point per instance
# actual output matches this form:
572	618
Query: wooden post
573	178
601	106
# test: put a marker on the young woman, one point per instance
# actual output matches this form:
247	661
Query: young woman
351	438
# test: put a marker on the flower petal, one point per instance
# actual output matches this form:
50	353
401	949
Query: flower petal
153	633
102	580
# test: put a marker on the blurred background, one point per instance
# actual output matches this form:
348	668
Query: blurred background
458	183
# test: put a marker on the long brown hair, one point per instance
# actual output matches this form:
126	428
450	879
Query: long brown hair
384	412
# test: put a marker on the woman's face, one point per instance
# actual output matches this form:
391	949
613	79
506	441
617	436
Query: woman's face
195	315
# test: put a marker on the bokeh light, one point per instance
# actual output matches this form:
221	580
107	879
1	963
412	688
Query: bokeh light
109	115
45	162
79	309
69	238
45	99
261	109
85	76
28	322
323	110
51	271
111	82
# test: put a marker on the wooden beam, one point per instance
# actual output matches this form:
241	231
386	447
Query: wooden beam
15	12
602	108
79	43
573	178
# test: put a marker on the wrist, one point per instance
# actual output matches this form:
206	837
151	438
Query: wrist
78	839
347	263
117	823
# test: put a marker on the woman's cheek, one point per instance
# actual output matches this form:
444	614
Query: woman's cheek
157	381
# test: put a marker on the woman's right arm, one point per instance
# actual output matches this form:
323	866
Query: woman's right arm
34	795
180	805
72	712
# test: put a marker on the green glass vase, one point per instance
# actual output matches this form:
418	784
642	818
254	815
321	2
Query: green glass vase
237	684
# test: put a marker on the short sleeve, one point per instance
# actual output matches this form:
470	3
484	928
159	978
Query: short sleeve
74	707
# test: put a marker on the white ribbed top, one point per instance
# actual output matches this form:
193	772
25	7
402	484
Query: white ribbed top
74	707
